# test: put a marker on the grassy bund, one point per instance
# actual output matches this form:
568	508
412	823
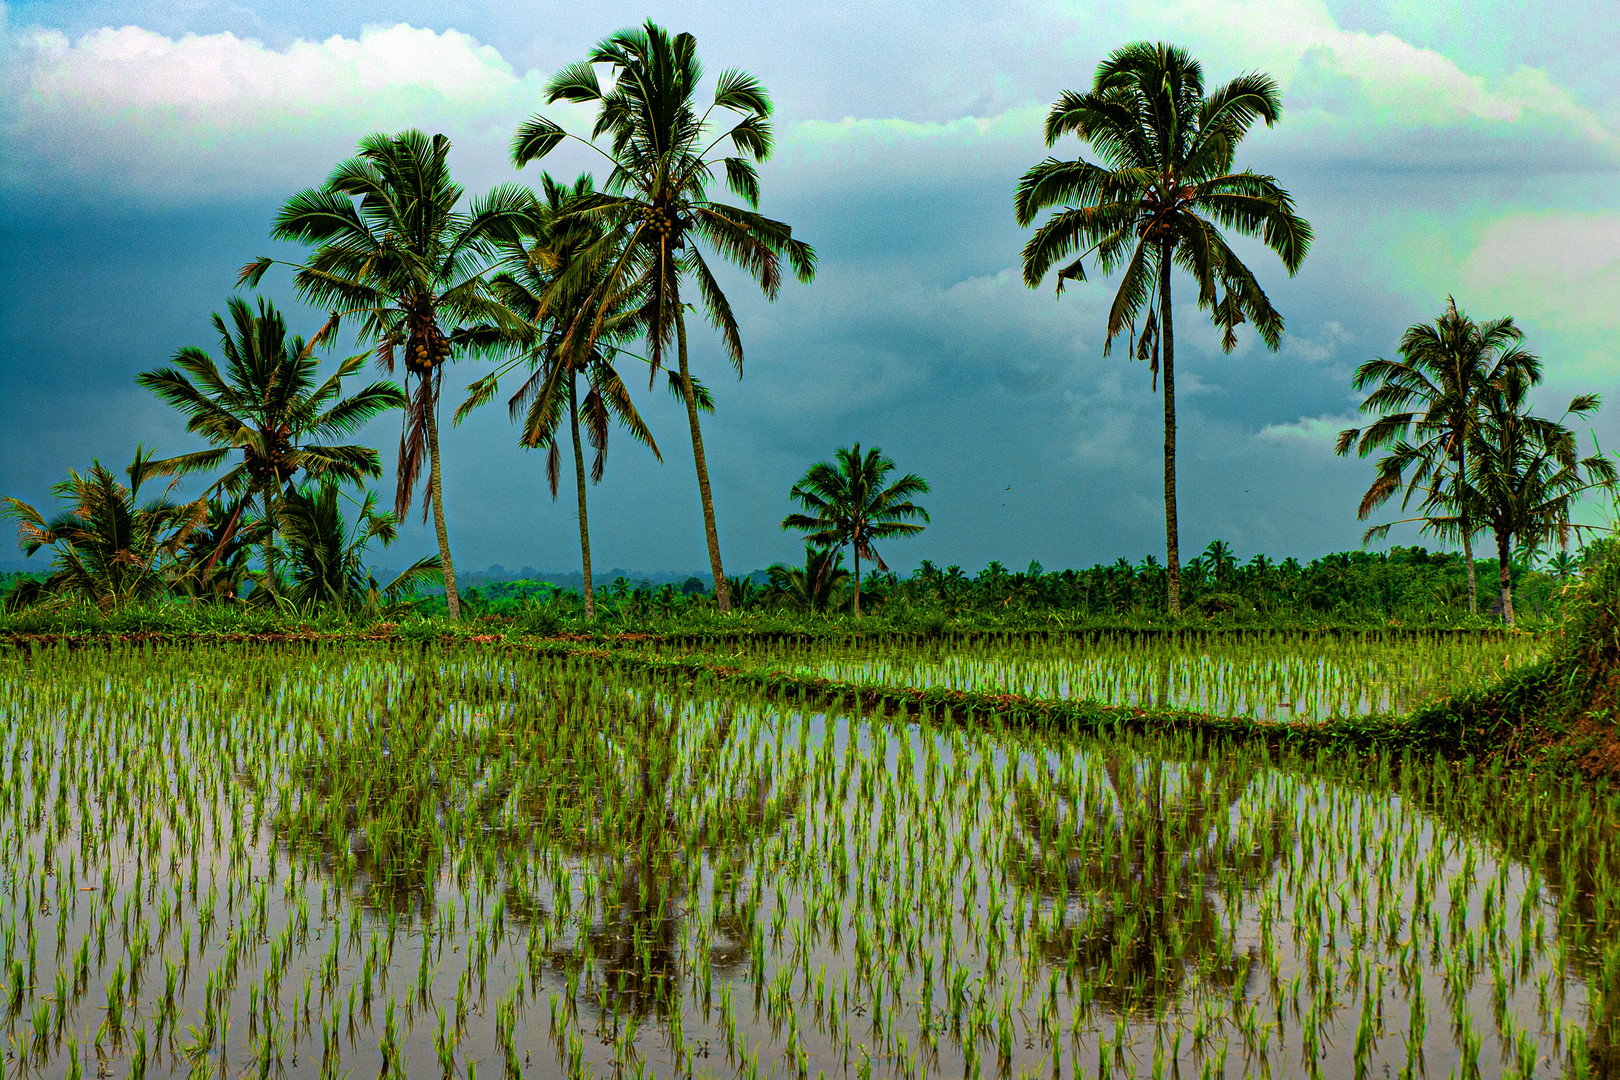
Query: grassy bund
1124	852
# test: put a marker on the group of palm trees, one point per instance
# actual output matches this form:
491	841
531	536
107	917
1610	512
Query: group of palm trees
563	285
1456	420
1456	433
565	282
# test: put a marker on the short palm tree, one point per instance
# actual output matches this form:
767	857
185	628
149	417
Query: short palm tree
328	557
664	157
214	562
1164	190
1525	474
260	403
1429	405
850	501
110	548
811	587
1562	564
395	249
542	281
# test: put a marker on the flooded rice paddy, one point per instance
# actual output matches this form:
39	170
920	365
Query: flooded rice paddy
378	861
1258	675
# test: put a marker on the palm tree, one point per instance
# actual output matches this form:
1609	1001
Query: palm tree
1218	555
213	562
328	560
110	548
1525	473
849	504
393	249
1563	565
663	161
1430	406
542	275
810	588
266	406
1164	190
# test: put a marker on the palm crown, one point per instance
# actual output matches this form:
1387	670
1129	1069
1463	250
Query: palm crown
540	281
394	249
1428	405
1164	190
111	548
1525	473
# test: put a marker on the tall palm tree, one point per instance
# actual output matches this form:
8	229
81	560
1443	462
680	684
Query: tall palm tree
111	548
1526	473
849	504
1429	406
1159	199
664	155
394	249
542	281
265	405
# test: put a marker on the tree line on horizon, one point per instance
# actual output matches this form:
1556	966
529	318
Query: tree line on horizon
562	286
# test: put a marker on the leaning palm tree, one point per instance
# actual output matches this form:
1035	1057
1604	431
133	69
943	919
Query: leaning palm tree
261	401
395	249
1159	199
110	548
541	281
664	156
1429	407
1526	473
848	503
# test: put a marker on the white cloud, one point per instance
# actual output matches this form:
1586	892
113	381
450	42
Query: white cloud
861	151
128	110
1560	268
1312	431
1337	80
1321	348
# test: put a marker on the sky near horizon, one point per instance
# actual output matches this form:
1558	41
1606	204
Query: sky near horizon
1436	149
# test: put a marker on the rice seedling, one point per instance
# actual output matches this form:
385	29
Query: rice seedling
377	861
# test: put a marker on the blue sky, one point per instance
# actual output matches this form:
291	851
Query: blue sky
1436	149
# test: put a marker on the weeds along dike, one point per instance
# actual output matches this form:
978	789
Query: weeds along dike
1562	711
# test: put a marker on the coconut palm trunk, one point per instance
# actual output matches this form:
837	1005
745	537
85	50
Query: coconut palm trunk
1467	540
1504	576
269	541
1167	340
722	594
579	482
452	598
857	577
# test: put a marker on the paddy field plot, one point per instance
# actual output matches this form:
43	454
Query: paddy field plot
385	861
1264	676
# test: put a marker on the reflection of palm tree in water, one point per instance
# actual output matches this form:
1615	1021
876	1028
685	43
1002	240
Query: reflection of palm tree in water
640	833
376	798
1137	873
